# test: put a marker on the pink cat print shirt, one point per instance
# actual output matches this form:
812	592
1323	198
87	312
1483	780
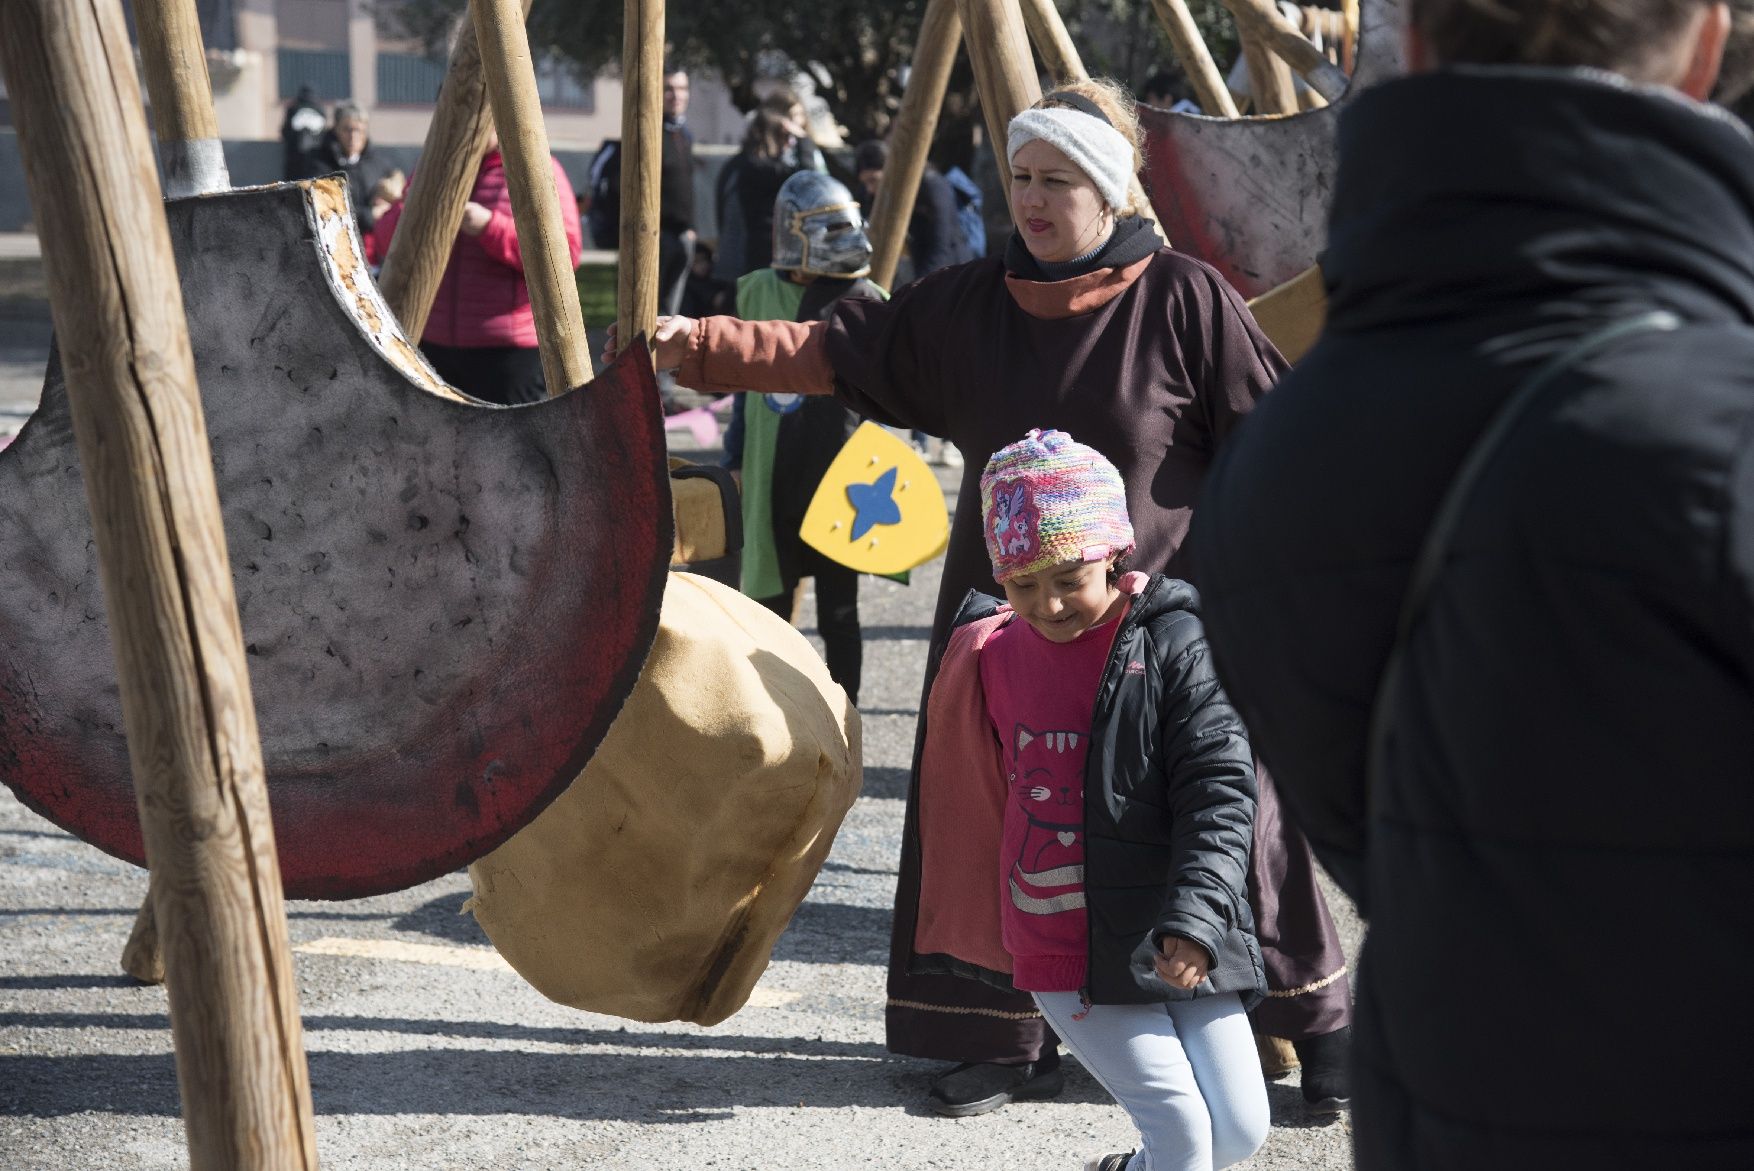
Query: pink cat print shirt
1040	696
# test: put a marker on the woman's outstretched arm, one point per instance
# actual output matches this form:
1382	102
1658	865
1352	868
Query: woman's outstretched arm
727	355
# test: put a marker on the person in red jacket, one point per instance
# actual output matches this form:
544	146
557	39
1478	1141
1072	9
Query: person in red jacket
480	336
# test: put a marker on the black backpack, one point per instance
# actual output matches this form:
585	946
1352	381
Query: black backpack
604	184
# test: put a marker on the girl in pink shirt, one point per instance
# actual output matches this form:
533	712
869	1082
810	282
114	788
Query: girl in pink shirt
1086	805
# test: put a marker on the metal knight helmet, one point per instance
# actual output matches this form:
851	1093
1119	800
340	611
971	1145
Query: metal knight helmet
817	228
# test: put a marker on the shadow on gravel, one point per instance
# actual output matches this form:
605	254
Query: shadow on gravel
714	1076
842	868
693	1040
887	783
836	933
443	918
887	633
820	933
71	980
698	1075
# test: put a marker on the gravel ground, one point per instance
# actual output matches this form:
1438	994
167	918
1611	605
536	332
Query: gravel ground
426	1052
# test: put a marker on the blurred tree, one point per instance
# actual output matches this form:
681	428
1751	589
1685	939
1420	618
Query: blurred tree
855	50
1122	39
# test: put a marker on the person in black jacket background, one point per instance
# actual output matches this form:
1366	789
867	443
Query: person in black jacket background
1556	854
934	232
776	146
301	132
347	148
675	193
935	238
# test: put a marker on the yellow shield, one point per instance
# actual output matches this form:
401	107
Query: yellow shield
879	508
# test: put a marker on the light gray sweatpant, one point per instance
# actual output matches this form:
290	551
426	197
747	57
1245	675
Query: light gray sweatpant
1186	1071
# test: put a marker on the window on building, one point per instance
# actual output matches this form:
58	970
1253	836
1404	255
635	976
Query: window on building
325	72
560	88
405	79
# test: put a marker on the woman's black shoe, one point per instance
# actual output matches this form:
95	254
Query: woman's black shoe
977	1087
1327	1078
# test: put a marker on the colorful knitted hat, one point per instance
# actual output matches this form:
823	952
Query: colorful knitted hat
1048	498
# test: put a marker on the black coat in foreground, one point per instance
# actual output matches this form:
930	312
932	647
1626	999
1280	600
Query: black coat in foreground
1558	865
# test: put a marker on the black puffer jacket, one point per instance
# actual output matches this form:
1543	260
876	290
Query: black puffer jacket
1558	868
1169	799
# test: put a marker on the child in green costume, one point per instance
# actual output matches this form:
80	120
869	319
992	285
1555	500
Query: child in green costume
820	254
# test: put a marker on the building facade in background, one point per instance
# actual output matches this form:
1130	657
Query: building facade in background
259	52
343	51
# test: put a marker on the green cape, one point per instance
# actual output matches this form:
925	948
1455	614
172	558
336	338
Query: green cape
764	295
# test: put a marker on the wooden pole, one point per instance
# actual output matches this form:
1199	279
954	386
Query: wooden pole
1261	22
1269	78
185	689
911	140
1349	35
456	142
175	62
642	146
1047	32
142	955
1004	69
1196	59
523	140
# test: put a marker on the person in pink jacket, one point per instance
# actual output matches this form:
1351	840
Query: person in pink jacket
480	336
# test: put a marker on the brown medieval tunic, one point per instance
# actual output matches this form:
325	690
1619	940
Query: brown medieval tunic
1152	364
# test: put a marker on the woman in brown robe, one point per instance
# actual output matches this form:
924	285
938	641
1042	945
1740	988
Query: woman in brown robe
1092	325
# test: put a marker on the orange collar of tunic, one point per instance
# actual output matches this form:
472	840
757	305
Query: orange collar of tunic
1053	300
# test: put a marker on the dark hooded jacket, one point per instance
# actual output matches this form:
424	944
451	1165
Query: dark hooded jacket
1169	798
1558	860
363	174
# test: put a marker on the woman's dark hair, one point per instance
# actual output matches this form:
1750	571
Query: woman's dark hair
1628	37
871	155
1123	564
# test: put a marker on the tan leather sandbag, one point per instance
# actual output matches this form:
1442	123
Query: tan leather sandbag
655	887
1293	314
699	510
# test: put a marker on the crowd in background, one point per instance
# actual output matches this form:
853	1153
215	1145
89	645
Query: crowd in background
698	270
480	334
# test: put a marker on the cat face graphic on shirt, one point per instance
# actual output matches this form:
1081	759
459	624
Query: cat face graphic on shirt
1047	782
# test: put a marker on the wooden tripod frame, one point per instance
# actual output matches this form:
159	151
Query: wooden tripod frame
998	35
196	756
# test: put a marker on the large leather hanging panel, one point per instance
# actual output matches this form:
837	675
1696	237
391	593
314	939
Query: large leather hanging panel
1250	196
444	603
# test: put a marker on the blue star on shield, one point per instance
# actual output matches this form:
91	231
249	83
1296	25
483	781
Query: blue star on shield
874	504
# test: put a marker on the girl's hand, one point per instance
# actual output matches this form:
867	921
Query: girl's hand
669	342
475	218
1181	963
